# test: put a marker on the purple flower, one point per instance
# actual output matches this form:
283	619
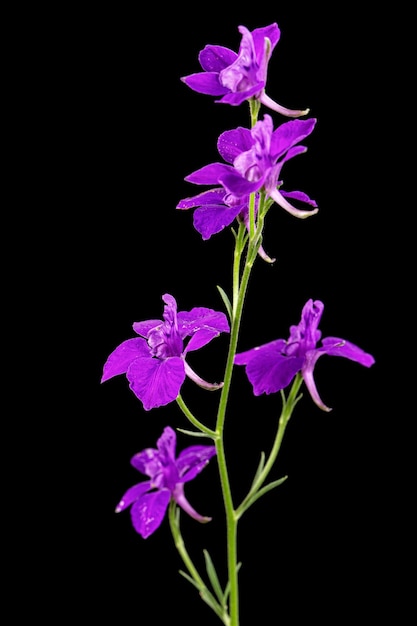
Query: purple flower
216	209
257	157
272	367
242	76
155	364
149	500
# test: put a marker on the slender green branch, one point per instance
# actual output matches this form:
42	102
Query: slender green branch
237	259
206	595
208	431
251	216
239	293
286	412
240	285
254	106
179	544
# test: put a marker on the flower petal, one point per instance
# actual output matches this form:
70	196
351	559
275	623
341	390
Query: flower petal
201	338
189	322
192	460
200	381
133	494
147	462
156	382
182	501
232	142
143	328
298	195
269	373
236	184
148	512
278	108
308	376
278	197
290	133
236	98
243	358
340	347
210	197
205	82
267	369
209	174
212	219
216	58
167	443
272	32
121	358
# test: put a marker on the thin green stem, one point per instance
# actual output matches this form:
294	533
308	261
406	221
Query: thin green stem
239	293
286	412
251	216
204	429
206	595
237	259
254	106
179	544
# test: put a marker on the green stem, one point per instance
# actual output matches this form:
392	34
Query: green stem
286	412
194	420
239	293
237	258
240	286
179	544
205	593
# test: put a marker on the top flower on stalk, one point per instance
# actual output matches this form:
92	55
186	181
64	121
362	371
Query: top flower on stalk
240	76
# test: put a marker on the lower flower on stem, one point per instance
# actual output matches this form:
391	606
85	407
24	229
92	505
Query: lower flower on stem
149	500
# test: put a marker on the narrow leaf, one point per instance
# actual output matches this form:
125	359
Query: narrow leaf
190	580
193	433
262	492
212	574
210	600
205	595
226	301
260	468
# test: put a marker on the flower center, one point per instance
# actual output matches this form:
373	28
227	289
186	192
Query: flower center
165	341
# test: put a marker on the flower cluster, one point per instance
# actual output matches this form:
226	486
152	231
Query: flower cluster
239	193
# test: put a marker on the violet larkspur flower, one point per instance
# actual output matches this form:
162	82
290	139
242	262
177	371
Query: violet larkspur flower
272	366
240	76
216	208
149	500
256	157
154	363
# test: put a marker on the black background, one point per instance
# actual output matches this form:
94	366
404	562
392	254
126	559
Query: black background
122	132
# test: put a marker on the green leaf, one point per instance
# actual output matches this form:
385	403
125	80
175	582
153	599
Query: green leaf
212	574
226	301
190	580
210	600
260	468
262	492
193	433
206	596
